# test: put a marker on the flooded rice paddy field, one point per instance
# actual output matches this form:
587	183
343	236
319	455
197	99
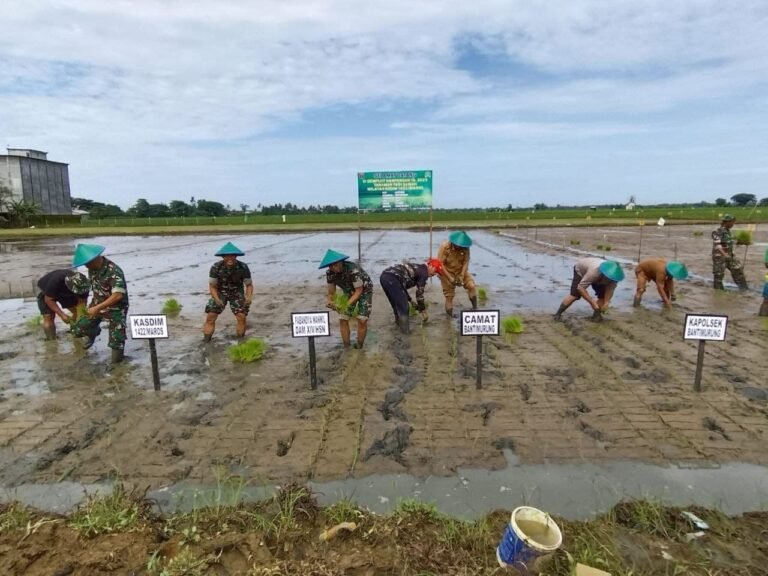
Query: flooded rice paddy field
558	400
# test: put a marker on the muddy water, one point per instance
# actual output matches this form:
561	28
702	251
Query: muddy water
576	492
593	413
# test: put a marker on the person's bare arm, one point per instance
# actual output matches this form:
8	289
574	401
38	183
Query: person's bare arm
113	299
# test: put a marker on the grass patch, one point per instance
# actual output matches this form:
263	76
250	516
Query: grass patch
249	351
34	321
697	233
121	511
14	516
415	510
575	242
171	306
743	238
343	511
482	295
185	563
512	325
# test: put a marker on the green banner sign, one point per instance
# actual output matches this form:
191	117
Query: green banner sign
407	190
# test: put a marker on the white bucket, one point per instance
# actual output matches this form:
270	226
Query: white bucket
529	535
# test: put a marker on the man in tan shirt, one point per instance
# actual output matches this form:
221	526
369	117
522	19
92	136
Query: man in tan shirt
454	254
661	272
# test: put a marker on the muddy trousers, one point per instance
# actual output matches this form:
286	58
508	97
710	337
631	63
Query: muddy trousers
720	264
86	326
397	296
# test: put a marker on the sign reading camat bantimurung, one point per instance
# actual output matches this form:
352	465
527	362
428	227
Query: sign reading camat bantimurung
405	190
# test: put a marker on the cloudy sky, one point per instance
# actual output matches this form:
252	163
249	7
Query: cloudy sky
509	102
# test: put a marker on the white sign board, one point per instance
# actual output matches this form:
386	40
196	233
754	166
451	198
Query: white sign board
148	326
479	322
705	327
307	324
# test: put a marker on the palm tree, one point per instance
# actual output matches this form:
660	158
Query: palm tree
20	211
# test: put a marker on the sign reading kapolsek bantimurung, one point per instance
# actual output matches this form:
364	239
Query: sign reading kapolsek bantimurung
703	327
309	325
149	327
479	323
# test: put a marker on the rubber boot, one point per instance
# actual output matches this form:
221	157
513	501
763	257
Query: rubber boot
89	341
404	323
473	299
718	285
50	332
207	338
597	316
117	355
764	308
636	302
558	317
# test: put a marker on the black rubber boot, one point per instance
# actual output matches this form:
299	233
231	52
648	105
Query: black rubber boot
50	332
117	355
636	302
89	341
404	324
559	314
718	285
473	299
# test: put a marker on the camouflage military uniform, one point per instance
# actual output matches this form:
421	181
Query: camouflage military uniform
105	281
350	279
231	282
722	237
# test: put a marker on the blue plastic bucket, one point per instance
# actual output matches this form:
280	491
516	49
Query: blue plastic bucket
529	535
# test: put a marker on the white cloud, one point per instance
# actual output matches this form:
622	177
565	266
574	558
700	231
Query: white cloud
104	85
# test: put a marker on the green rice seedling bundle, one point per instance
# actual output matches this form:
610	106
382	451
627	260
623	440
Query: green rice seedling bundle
171	306
482	295
512	325
743	237
249	351
341	301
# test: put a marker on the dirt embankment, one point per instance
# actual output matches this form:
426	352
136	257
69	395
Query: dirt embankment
289	535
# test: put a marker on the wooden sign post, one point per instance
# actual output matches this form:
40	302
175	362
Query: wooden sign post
309	325
703	327
479	323
149	327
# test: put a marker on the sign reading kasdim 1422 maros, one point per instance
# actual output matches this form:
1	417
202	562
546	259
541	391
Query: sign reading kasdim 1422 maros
705	327
406	190
148	326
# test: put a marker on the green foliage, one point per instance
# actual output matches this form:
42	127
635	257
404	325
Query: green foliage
14	516
185	563
743	199
482	295
171	306
575	242
121	511
743	237
34	321
20	211
413	509
512	325
249	351
604	247
698	233
341	301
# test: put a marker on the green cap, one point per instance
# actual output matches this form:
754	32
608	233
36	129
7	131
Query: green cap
84	253
230	249
612	271
728	218
77	284
677	270
460	238
331	257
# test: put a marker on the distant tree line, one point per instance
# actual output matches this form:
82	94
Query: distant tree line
178	208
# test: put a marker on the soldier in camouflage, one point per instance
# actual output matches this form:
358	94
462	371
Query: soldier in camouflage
110	299
229	281
397	279
357	286
723	257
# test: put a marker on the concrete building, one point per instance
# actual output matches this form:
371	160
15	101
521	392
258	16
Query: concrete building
32	177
